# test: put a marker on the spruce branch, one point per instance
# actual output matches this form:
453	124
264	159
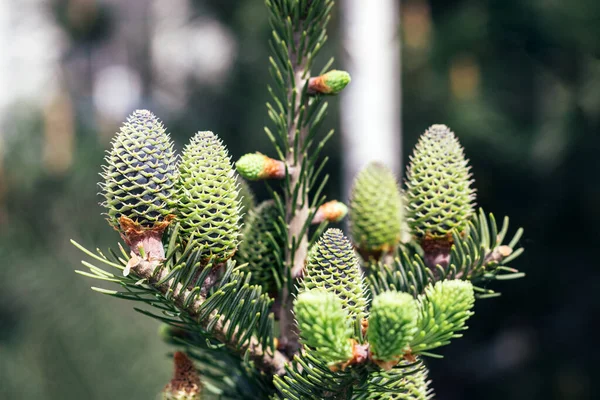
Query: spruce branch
178	293
298	35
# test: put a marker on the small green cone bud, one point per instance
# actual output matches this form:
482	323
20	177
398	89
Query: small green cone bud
324	325
140	172
443	310
256	166
376	210
185	384
333	266
392	325
438	182
332	211
208	198
333	82
245	197
261	244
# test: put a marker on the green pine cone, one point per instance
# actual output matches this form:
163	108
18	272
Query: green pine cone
333	266
208	197
261	245
140	172
392	325
376	210
324	325
444	309
438	185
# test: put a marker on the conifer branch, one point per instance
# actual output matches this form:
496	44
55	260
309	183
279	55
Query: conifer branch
272	363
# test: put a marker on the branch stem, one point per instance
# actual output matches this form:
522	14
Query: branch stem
296	202
271	363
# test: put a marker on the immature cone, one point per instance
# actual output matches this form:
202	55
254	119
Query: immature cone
140	172
208	198
439	193
444	309
333	266
376	210
332	82
392	326
324	325
256	166
185	384
261	244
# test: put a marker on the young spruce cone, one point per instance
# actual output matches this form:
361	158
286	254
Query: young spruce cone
439	193
208	198
376	210
333	266
140	172
261	244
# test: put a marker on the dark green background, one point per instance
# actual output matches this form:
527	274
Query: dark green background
530	129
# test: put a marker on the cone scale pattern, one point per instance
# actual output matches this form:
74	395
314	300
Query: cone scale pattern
439	193
209	209
140	172
333	266
261	243
376	210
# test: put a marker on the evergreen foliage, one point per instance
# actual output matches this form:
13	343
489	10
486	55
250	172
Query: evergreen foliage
324	325
443	311
392	325
223	292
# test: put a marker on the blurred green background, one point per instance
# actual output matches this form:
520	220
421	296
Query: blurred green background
518	80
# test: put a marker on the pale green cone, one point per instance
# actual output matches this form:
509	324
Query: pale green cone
324	325
392	325
444	309
140	172
209	209
261	245
376	210
438	185
333	266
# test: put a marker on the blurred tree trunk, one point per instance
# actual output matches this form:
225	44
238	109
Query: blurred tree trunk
370	110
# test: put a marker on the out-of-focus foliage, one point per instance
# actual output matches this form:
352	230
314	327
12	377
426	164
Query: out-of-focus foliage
517	80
